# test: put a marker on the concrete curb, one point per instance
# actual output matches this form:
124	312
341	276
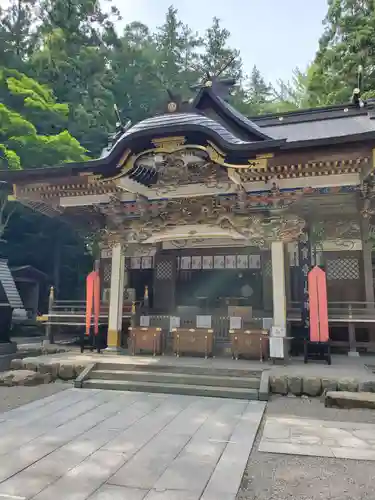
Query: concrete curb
264	387
84	375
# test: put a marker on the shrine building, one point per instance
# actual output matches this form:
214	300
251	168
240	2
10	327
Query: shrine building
204	212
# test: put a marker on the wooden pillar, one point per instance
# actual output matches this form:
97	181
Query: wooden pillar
278	348
352	341
368	274
266	280
367	263
116	299
278	284
49	339
304	258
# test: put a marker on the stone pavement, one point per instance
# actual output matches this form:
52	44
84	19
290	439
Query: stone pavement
105	445
320	438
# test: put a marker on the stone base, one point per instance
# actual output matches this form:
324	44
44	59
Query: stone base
8	348
350	400
114	350
353	354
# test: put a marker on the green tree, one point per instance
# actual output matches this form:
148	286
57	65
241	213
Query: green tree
296	93
24	105
258	93
347	43
133	74
18	35
177	50
74	60
217	53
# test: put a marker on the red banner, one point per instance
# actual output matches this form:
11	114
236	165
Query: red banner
318	305
92	301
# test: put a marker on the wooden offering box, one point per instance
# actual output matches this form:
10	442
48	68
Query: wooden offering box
253	344
193	341
146	339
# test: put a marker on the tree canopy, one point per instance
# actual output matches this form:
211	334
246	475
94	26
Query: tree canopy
32	125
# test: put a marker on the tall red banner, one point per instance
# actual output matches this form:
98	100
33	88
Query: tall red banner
318	305
92	301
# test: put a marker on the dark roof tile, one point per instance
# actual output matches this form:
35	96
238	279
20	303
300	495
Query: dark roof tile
322	129
157	123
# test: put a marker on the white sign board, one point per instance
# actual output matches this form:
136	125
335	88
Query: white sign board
144	321
276	347
278	331
235	322
174	322
203	321
267	323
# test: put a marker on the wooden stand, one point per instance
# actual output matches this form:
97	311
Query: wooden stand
193	341
317	350
253	344
146	339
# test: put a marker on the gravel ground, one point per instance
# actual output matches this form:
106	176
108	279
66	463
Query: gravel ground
270	476
12	397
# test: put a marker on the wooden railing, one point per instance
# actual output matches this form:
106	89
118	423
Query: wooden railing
68	312
340	312
73	313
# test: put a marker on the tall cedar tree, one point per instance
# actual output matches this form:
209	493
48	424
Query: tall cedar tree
347	43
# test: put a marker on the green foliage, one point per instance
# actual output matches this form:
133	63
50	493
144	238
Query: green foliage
348	42
18	32
217	53
29	120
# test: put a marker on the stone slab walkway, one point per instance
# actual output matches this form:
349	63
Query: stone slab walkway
319	438
101	445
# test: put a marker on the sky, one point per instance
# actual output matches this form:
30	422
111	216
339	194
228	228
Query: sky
275	35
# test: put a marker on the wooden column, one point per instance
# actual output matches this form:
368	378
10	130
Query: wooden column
116	299
278	348
367	275
278	284
304	258
266	280
367	263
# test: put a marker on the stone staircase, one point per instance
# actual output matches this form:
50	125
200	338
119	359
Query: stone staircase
186	380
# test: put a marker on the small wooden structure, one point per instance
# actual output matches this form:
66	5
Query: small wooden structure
193	341
145	340
253	344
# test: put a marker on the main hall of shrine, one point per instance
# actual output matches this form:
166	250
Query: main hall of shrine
207	212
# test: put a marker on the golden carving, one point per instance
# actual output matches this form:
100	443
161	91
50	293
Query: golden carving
257	229
168	144
92	179
124	158
214	153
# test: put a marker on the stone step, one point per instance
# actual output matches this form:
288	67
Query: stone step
180	368
190	390
344	399
177	378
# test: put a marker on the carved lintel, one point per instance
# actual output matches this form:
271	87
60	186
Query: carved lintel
168	144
